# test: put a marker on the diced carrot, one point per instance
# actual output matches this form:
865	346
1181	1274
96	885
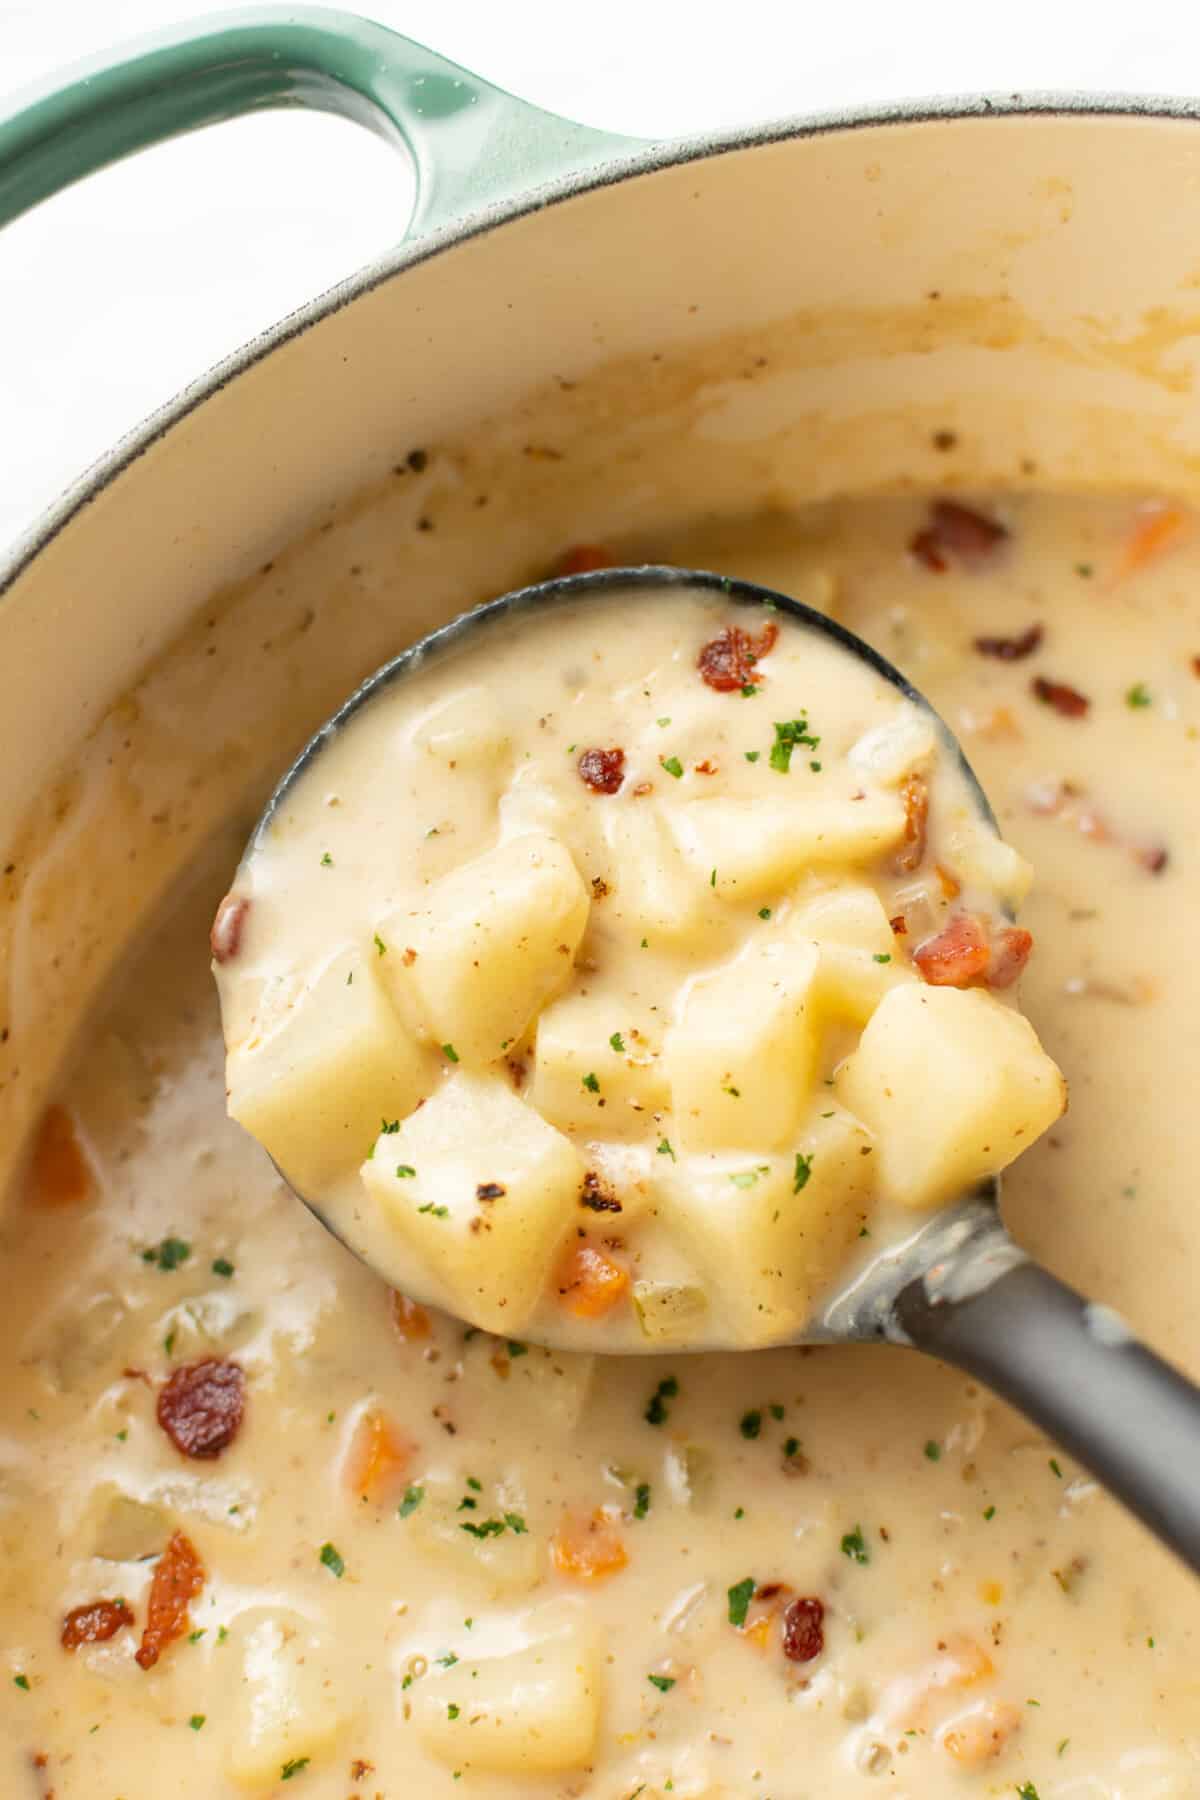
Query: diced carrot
957	956
1157	527
411	1321
60	1174
590	1283
580	559
588	1547
378	1456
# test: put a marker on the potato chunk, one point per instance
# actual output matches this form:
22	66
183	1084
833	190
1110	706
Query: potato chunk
655	894
892	749
495	942
583	1082
468	729
858	958
483	1191
489	1544
314	1082
739	1058
769	1232
758	846
285	1708
954	1085
529	1711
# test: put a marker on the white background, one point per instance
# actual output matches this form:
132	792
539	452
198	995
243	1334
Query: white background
117	293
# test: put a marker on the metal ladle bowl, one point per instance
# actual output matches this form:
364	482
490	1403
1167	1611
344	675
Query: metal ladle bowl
959	1288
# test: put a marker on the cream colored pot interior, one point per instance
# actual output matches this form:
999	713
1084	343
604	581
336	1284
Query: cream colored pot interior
773	324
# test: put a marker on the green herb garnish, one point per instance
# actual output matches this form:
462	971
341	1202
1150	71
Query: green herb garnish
331	1560
854	1545
740	1596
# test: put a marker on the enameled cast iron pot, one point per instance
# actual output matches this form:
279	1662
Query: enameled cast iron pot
579	335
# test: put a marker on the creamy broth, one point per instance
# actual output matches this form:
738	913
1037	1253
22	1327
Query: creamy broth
991	1622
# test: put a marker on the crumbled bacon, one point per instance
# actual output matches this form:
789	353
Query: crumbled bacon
602	770
1011	649
225	937
581	559
1065	700
911	853
94	1623
899	925
956	531
1153	860
1010	952
956	956
803	1629
178	1578
729	661
202	1405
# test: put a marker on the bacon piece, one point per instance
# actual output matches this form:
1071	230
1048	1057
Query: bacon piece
911	853
59	1172
602	770
1010	952
1065	700
590	1283
1011	649
411	1321
588	1547
581	559
178	1578
899	925
957	956
94	1623
202	1405
728	661
378	1457
1153	860
225	938
803	1629
956	531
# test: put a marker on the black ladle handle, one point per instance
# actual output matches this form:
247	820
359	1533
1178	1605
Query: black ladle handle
1073	1368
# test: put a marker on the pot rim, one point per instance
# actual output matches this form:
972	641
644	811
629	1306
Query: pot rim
646	159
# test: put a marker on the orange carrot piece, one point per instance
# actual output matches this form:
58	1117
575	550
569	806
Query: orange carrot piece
60	1174
588	1547
378	1457
1157	527
590	1283
411	1321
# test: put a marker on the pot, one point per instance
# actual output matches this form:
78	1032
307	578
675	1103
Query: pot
576	334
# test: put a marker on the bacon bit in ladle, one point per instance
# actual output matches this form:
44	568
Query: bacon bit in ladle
1065	700
1011	649
202	1406
956	531
911	853
94	1623
1011	949
225	937
729	661
178	1578
602	770
581	559
956	956
803	1629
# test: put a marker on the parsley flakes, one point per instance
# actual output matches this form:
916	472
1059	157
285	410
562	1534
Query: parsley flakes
591	1083
171	1254
330	1559
294	1766
672	765
789	734
656	1411
854	1545
751	1423
413	1497
801	1171
664	1683
740	1596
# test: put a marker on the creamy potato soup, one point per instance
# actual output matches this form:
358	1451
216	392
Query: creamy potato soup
270	1528
591	1001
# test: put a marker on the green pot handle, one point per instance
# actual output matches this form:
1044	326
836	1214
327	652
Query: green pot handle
472	145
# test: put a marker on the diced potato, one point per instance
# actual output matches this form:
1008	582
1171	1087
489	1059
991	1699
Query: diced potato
495	942
530	1711
574	1050
767	1236
758	846
654	894
285	1707
126	1530
740	1057
468	730
851	932
669	1310
505	1562
484	1191
77	1343
954	1085
981	859
313	1086
551	1387
892	750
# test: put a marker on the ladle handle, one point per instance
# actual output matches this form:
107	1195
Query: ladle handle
1074	1369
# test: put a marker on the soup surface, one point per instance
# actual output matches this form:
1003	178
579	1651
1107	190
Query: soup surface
591	1002
267	1528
